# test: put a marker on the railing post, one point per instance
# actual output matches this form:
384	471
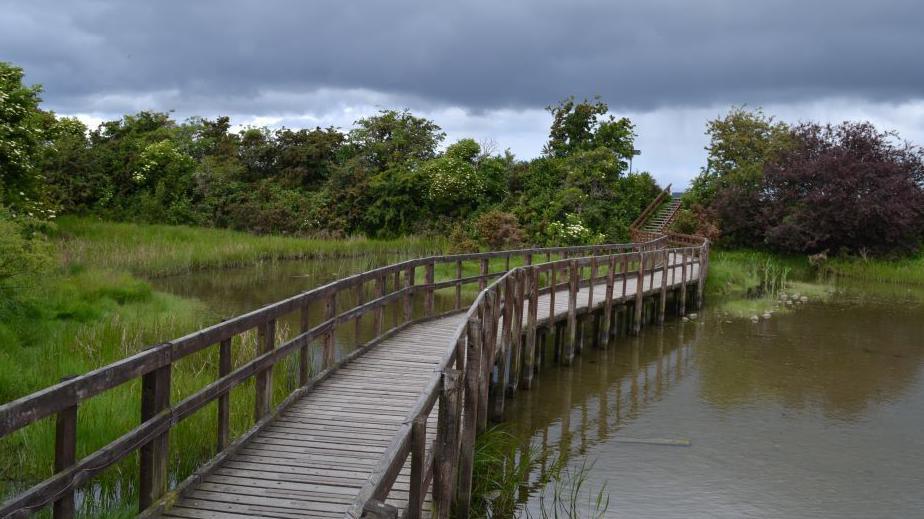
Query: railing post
683	282
590	291
418	456
263	381
700	276
409	294
224	401
396	308
516	332
568	354
358	321
663	300
330	311
458	284
65	454
483	279
553	282
379	315
469	419
532	289
428	294
608	302
304	358
153	456
625	275
506	341
488	349
639	294
447	442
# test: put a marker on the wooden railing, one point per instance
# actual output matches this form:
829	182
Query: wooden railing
394	287
491	355
652	207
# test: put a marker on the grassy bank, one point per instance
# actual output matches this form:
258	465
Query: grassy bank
158	250
907	270
93	308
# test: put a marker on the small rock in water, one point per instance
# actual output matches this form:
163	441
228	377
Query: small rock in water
684	319
754	318
766	315
788	303
692	316
803	299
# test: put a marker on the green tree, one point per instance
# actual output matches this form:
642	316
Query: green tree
585	126
22	139
67	165
395	138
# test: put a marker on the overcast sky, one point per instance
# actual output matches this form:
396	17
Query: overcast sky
484	69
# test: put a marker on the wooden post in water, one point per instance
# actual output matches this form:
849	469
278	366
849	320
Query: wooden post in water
608	302
263	381
662	303
153	456
428	294
532	289
570	341
224	401
700	277
639	294
65	455
469	419
683	282
418	457
447	442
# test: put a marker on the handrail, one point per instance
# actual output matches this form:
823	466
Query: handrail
650	208
395	285
476	337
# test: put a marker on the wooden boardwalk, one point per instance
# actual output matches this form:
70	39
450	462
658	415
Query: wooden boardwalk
376	426
314	458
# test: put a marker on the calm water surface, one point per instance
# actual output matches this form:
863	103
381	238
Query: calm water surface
817	413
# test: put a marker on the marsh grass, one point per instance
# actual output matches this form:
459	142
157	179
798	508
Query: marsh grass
906	271
507	470
160	250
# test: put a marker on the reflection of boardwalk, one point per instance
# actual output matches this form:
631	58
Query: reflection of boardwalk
315	457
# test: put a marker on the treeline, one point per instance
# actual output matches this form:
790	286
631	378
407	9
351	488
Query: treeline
846	189
389	175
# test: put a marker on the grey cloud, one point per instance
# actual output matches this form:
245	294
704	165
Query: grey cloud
233	56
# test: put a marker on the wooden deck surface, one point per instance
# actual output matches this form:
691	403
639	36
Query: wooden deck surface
312	460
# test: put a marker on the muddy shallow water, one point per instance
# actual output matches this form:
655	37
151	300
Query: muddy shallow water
815	413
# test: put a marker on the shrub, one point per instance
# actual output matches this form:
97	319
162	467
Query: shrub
499	230
24	254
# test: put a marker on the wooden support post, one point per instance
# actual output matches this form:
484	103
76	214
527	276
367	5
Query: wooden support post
447	442
418	457
428	294
662	302
567	355
506	340
65	455
378	318
483	275
458	284
532	289
409	294
608	302
683	282
703	269
263	381
529	258
489	318
330	311
469	420
639	294
224	400
153	456
516	331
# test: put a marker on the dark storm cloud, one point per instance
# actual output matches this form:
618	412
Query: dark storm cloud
265	56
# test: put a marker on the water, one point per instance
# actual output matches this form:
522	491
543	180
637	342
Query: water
817	413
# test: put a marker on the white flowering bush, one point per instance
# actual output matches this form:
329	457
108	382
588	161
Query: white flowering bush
572	231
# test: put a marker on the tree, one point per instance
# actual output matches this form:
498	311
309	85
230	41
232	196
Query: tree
740	144
67	165
395	137
847	187
585	126
22	140
304	158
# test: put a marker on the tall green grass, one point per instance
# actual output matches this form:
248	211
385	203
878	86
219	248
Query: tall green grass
906	270
158	250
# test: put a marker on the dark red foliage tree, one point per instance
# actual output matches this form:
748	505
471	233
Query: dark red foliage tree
847	188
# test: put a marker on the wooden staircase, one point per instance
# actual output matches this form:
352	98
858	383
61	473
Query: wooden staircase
663	218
